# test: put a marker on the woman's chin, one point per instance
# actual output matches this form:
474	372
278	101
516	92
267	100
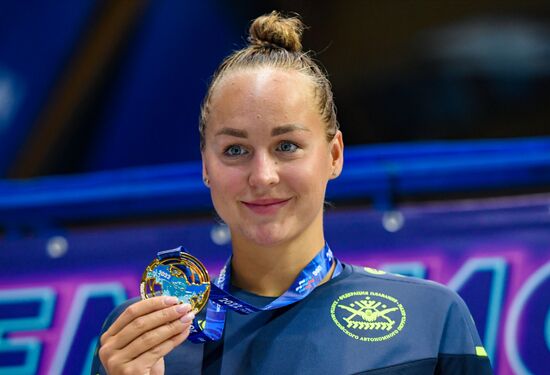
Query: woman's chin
266	237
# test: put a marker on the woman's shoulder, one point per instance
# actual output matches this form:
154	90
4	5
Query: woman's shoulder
375	305
409	284
417	296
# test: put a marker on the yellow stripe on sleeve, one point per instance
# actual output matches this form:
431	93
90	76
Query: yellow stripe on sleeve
480	351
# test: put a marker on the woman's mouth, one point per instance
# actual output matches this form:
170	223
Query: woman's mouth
266	206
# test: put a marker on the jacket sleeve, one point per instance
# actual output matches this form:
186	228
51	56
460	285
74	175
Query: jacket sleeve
461	350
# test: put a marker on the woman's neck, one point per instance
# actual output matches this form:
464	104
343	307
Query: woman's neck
270	271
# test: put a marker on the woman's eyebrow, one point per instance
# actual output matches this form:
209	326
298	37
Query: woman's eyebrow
287	129
233	132
279	130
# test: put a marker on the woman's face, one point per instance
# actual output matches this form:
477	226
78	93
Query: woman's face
266	157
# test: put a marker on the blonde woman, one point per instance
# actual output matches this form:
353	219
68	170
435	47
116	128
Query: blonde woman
270	144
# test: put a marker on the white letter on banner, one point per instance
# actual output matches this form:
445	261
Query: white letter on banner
83	294
498	267
45	298
534	283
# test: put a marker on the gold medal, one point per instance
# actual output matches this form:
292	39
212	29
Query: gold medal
182	276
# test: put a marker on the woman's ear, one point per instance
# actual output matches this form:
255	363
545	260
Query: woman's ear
337	154
205	178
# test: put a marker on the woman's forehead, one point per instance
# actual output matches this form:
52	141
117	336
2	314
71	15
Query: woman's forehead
263	104
273	93
263	82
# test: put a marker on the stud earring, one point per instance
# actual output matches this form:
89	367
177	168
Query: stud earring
206	181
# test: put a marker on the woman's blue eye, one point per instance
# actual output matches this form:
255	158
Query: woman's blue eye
235	150
287	147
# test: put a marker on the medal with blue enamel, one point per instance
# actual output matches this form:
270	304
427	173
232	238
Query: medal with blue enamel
177	274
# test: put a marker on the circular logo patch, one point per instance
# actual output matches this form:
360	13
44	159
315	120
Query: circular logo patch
368	316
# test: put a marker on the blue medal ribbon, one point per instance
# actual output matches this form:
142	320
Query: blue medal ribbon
220	299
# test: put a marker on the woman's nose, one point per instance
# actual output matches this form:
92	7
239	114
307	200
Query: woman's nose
263	170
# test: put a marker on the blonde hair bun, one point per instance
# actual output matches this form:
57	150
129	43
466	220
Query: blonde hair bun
276	42
276	31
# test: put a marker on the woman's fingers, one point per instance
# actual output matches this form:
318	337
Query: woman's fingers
158	367
144	326
134	359
143	334
151	339
137	310
152	356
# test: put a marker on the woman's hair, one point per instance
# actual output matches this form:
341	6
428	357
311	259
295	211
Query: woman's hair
275	41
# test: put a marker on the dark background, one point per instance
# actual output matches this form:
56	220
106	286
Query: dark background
99	85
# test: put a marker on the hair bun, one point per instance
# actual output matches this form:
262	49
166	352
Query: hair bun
276	31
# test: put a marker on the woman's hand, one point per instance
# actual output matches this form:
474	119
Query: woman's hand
143	334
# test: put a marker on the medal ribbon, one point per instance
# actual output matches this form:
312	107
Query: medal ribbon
220	299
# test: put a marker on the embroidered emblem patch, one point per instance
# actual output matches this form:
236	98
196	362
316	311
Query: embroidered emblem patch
368	316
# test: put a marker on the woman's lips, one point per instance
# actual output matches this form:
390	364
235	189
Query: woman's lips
265	206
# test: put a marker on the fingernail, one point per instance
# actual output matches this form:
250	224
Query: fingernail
188	317
183	308
170	300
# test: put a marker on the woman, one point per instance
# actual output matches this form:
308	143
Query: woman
270	143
